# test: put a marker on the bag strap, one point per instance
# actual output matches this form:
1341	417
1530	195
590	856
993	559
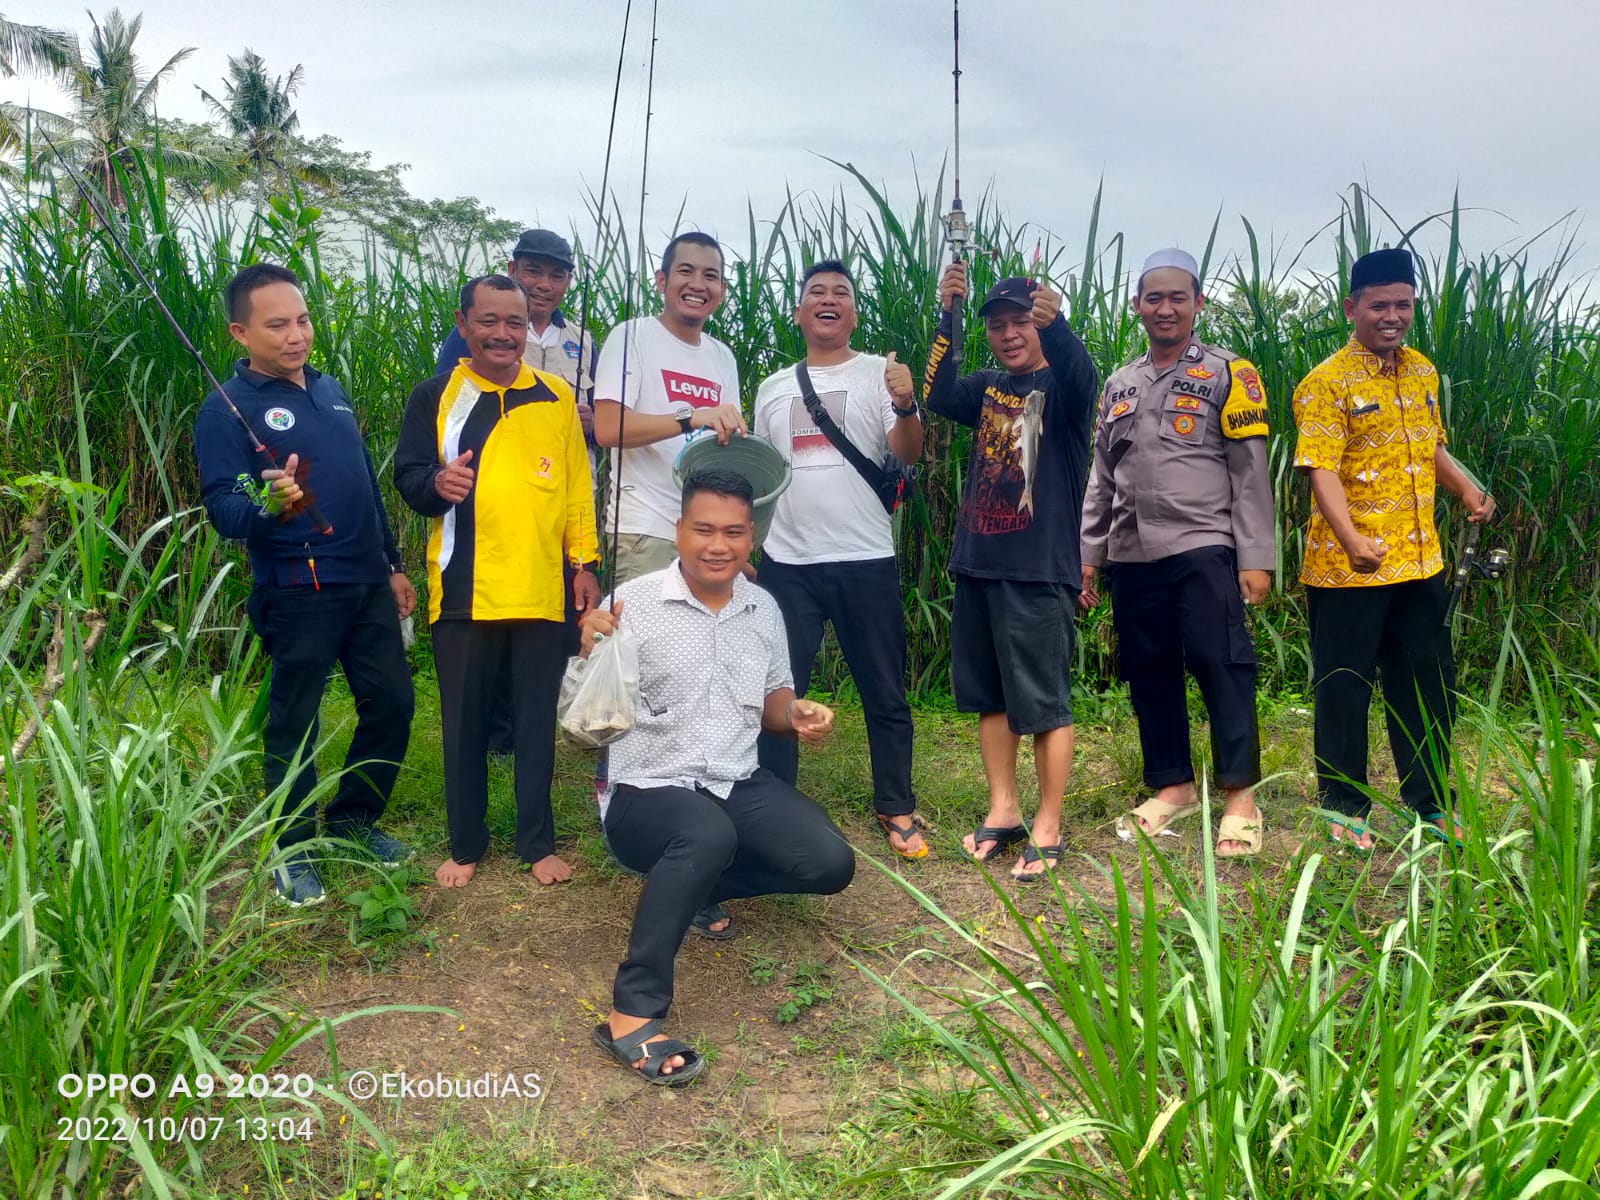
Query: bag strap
865	467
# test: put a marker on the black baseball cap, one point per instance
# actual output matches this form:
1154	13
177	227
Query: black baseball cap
543	243
1015	291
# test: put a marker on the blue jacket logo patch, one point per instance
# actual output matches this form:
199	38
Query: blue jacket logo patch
279	419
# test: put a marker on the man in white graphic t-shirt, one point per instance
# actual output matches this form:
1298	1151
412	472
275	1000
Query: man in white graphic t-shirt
676	378
830	553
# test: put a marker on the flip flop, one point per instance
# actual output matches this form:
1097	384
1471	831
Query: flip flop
1003	837
709	916
1157	814
630	1046
1248	830
1049	855
1449	839
905	832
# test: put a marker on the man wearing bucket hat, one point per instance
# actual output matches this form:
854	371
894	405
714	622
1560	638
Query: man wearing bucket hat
673	378
1179	512
1373	446
1015	553
836	416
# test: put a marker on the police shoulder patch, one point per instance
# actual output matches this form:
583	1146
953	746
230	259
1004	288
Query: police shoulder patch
1244	413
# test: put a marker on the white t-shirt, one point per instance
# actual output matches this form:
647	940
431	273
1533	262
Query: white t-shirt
664	376
828	513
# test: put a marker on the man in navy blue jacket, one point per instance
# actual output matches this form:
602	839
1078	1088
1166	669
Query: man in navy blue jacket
319	597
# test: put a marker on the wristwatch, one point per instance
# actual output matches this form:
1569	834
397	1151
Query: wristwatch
685	419
906	413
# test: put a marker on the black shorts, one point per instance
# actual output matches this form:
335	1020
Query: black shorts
1011	651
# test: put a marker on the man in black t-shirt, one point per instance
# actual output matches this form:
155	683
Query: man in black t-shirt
1015	556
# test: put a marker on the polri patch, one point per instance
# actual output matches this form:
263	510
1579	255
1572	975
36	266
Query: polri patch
279	419
1186	404
1183	425
1119	409
1199	373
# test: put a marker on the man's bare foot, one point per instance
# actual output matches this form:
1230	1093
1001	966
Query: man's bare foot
1001	816
621	1026
1241	803
452	874
551	869
1354	834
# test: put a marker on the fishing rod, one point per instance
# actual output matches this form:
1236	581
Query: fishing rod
256	444
583	314
955	223
1468	565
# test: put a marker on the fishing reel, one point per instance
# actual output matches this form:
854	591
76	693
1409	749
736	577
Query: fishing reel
1493	565
1470	564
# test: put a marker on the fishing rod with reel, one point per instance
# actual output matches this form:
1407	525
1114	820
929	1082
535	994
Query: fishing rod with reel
957	233
1469	565
318	521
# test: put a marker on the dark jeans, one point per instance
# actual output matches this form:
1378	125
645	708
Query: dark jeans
1397	629
695	849
306	631
1185	611
862	599
467	657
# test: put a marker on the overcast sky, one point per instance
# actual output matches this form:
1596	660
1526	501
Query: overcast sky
1257	109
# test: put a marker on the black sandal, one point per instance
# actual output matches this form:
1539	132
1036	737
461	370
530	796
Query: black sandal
709	916
628	1048
1003	837
1049	855
905	833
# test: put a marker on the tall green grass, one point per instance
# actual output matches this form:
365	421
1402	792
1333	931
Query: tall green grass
1425	1024
1517	344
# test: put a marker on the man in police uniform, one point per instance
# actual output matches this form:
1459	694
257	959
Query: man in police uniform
1179	512
1373	446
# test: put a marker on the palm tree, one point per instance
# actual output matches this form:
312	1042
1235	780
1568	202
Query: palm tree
37	49
257	111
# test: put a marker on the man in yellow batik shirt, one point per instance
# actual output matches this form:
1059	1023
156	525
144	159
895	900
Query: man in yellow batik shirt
1373	446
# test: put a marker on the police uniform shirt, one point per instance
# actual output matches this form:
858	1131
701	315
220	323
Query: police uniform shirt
1180	462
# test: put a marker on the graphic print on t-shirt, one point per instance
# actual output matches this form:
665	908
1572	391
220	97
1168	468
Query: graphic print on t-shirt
808	445
996	500
702	393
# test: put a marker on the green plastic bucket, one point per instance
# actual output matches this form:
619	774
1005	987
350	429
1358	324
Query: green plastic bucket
755	458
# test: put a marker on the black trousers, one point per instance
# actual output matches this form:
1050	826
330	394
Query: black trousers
695	849
501	722
1397	629
862	599
467	657
1179	612
306	631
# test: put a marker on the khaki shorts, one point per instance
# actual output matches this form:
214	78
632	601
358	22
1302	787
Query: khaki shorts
640	554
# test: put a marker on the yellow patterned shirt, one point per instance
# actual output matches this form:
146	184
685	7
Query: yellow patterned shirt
1378	429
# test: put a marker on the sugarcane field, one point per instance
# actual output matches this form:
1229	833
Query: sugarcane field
910	601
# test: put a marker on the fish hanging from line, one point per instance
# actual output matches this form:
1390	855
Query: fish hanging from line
1026	429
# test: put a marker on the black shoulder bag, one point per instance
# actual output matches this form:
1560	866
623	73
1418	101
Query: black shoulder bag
891	480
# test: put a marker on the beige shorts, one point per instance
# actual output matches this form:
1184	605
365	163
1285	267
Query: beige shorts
640	554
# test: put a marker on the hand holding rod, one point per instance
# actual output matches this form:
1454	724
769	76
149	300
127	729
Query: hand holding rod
256	444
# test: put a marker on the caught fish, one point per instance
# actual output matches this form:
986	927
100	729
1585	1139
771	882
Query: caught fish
1026	428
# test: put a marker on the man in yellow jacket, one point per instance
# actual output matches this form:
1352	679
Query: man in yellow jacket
494	453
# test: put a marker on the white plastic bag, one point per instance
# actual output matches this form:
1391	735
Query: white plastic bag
600	694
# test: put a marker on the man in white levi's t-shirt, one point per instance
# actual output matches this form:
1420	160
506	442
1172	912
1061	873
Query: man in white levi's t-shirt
678	378
830	553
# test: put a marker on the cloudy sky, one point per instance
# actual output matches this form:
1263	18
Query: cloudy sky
1257	109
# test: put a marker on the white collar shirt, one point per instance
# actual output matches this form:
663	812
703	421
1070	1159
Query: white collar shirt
703	680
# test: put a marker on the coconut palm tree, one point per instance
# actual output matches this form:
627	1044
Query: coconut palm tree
257	111
37	49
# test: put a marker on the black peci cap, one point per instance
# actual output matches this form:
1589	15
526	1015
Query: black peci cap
542	243
1380	267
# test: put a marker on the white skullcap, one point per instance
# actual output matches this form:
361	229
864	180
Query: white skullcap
1170	257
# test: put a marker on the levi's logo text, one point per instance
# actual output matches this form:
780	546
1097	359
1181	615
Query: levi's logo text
702	393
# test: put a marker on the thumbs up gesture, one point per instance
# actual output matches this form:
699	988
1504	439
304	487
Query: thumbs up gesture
284	495
897	378
454	479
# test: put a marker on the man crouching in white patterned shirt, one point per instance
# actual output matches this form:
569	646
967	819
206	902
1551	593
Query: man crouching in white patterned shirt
688	805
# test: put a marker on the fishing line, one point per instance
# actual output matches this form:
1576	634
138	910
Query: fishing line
256	444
